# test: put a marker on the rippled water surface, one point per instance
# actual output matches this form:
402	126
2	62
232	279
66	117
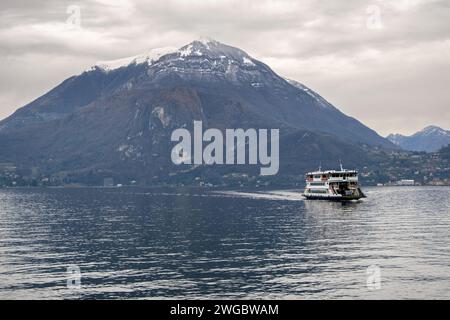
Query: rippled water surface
173	243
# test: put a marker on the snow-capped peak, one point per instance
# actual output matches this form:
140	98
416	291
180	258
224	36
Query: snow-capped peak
202	47
429	139
433	130
149	58
214	49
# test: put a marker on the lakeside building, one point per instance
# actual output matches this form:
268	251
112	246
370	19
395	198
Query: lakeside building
406	182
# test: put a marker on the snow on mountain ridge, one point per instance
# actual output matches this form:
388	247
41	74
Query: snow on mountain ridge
211	58
429	139
432	130
201	47
324	103
150	57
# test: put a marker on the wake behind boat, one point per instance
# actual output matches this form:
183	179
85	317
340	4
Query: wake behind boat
335	185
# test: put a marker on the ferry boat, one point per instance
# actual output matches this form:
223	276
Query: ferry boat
336	185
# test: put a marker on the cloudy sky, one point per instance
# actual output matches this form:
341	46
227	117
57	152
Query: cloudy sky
385	62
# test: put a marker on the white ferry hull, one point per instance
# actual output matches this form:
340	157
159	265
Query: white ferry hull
330	197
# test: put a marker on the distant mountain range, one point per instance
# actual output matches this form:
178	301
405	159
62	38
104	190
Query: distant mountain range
115	118
430	139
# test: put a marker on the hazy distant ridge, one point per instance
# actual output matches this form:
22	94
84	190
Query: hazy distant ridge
430	139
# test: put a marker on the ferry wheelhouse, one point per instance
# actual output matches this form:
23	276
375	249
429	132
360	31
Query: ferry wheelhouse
337	185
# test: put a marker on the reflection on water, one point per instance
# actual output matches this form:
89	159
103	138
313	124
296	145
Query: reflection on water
148	243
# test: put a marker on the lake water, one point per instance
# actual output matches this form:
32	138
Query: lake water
184	243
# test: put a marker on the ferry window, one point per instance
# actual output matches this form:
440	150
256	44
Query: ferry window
316	177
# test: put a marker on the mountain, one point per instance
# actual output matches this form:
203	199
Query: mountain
116	118
430	139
